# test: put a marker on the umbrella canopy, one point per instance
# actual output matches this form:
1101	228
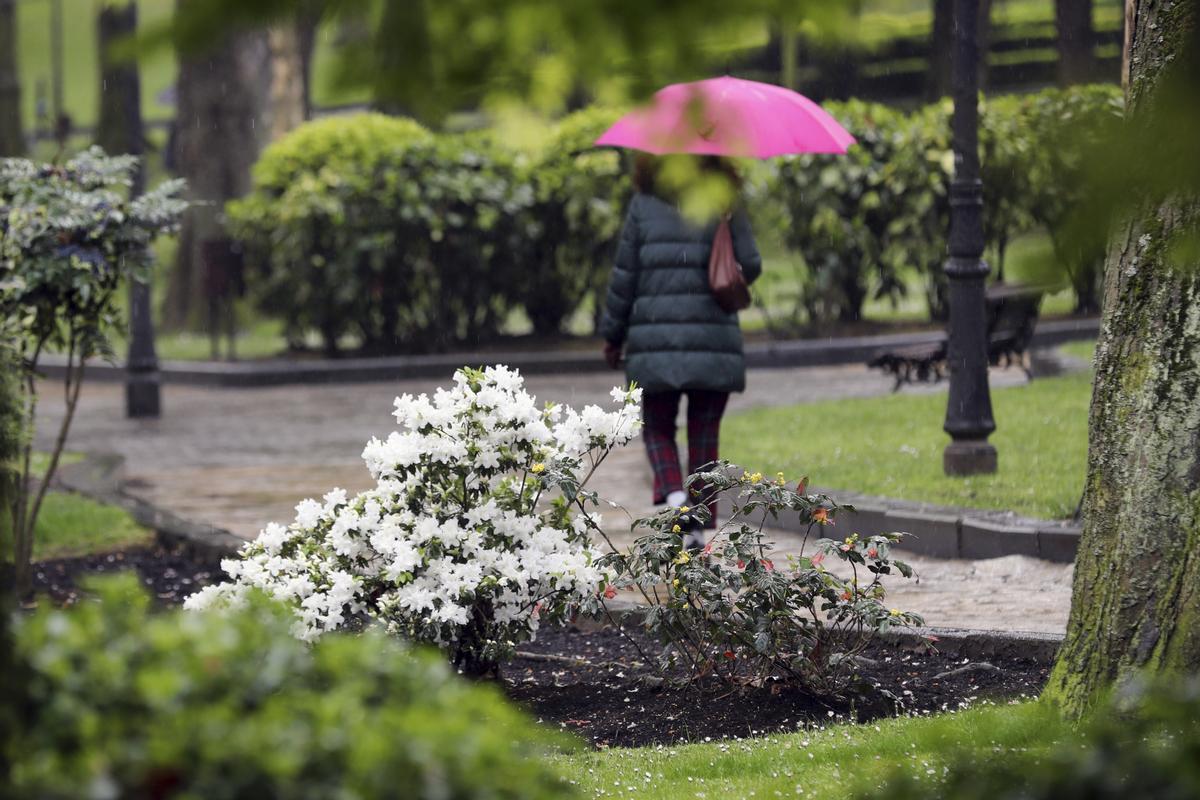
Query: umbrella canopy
729	117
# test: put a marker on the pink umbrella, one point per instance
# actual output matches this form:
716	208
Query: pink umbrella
729	117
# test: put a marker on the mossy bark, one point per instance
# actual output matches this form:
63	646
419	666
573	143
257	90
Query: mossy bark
1136	602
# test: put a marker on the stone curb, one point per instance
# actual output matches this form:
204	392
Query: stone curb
1038	647
99	476
768	355
948	531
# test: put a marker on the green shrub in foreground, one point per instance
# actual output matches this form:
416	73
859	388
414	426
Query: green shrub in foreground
120	702
1144	743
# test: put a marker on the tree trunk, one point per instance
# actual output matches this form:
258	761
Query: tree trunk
12	136
221	126
941	48
1136	601
940	79
985	40
288	104
119	121
1073	21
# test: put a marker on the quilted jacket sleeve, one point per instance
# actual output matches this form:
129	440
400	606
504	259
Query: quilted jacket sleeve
744	248
622	287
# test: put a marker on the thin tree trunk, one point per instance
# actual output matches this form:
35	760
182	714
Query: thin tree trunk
1073	21
221	126
1136	601
12	135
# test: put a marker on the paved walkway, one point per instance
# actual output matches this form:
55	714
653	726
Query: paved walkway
239	458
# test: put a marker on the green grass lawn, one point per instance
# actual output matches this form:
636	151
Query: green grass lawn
892	446
72	525
837	761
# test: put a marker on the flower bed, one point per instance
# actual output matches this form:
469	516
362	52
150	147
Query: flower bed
595	683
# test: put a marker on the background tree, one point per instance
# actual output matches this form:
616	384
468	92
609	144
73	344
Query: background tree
119	128
941	49
221	125
1136	602
12	136
1073	23
941	46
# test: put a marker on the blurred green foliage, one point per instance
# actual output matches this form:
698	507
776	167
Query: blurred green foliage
123	702
1143	743
432	58
1064	129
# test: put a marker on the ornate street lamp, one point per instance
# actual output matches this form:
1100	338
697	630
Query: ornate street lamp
969	410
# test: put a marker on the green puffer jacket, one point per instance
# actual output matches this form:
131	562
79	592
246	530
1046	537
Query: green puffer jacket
660	307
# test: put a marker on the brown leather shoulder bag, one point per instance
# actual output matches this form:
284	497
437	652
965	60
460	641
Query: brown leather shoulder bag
725	276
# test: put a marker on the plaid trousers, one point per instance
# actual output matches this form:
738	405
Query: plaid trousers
704	411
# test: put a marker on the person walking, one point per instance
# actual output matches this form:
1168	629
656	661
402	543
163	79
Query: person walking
677	339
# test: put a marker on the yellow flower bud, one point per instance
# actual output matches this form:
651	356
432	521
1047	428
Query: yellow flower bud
538	469
676	529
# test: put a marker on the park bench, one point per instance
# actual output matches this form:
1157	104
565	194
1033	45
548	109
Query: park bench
1012	312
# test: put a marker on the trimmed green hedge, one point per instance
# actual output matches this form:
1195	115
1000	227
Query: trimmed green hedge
122	702
374	228
581	194
860	220
370	226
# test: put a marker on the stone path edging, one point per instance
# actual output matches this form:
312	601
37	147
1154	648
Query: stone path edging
767	355
950	531
100	476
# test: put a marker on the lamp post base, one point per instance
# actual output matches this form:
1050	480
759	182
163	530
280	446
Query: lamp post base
969	457
142	395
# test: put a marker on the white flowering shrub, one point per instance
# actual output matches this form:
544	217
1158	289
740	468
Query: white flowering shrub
477	529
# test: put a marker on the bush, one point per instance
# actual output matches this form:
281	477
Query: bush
1064	128
839	210
70	237
862	220
460	544
581	194
1144	743
371	226
120	702
730	612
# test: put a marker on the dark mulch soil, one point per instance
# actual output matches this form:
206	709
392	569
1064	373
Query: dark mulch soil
594	682
169	575
616	700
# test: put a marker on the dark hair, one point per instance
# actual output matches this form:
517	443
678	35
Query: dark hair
646	167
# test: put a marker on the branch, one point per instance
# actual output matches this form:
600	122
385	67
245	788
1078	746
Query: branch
71	390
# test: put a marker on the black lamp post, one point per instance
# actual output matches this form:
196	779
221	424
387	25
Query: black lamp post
969	410
120	130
